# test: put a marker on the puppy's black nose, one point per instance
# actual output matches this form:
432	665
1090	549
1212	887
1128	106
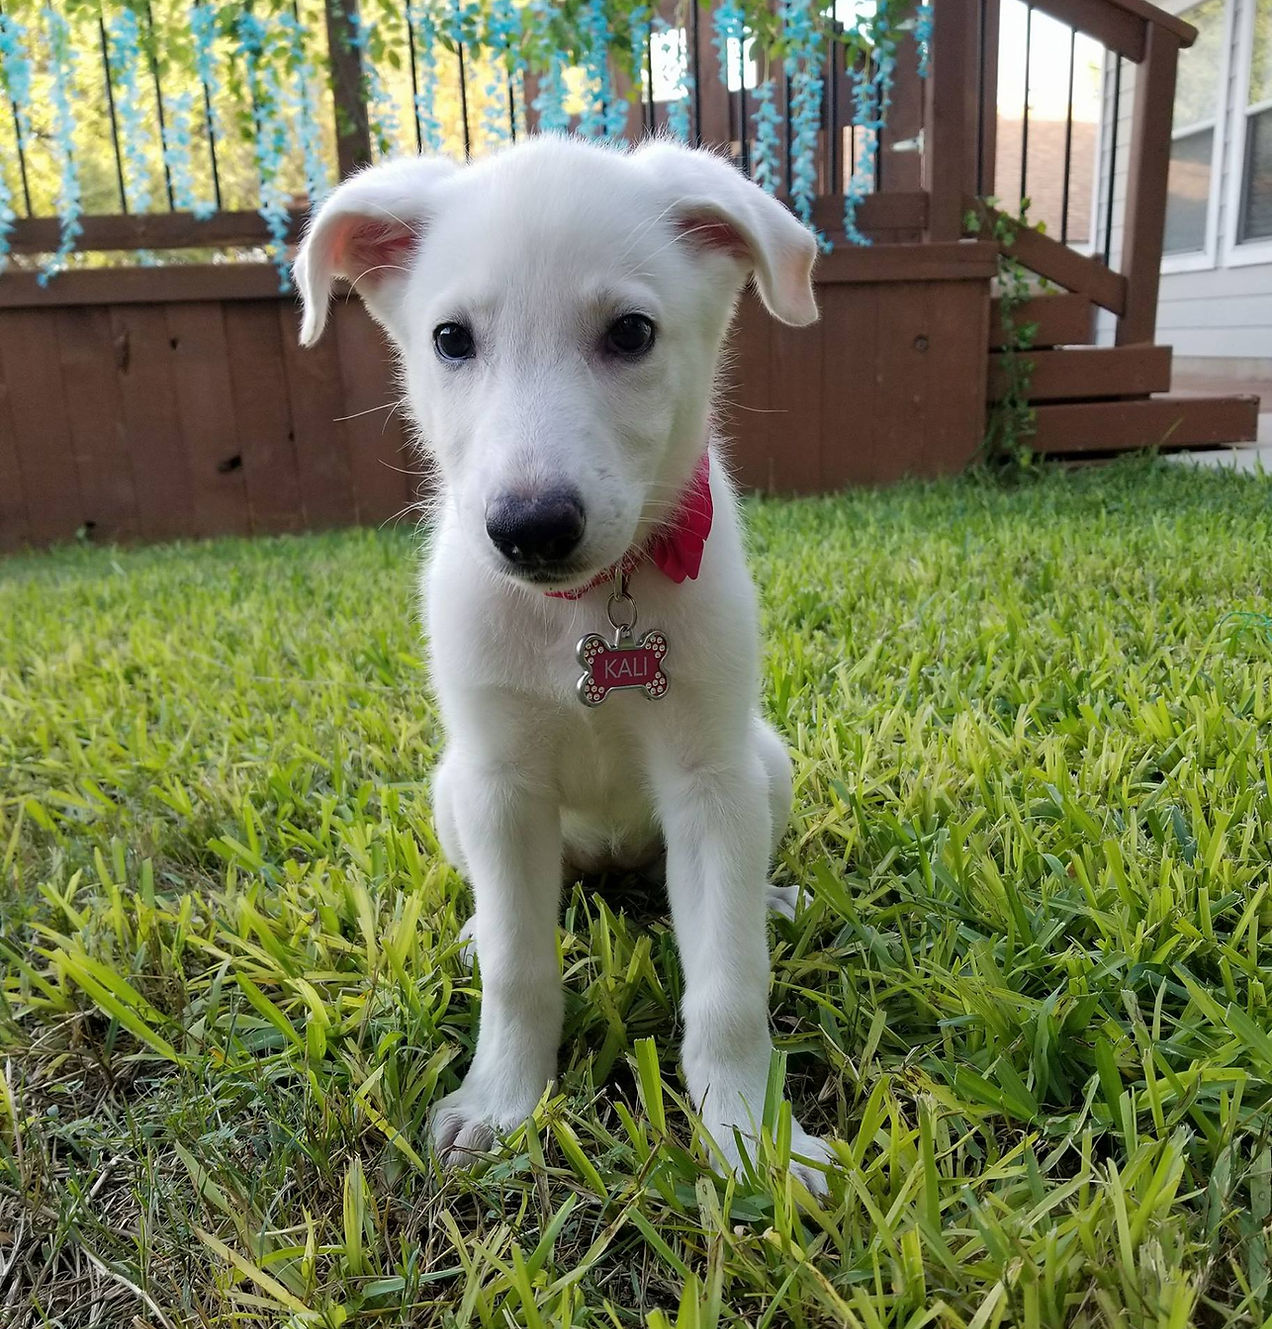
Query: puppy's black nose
536	528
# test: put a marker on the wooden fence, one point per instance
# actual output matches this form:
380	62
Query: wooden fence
199	414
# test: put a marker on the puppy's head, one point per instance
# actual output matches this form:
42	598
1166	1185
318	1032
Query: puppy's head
558	310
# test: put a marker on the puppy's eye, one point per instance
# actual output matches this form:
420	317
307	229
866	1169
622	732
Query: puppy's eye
453	341
631	335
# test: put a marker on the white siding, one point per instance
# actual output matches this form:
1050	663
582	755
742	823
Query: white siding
1215	311
1218	312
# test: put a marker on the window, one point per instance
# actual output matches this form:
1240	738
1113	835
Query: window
1195	131
1254	214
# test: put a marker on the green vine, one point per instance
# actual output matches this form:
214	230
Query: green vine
1011	419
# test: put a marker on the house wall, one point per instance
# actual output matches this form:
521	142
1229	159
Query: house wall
1217	304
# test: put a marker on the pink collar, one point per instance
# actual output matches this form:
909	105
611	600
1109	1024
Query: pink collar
674	548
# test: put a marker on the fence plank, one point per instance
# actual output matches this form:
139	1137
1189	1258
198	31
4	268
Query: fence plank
31	368
1079	373
1109	23
1058	320
1152	422
116	286
797	373
901	171
1146	185
348	88
205	398
930	356
900	263
1065	266
151	230
377	452
13	509
265	432
987	67
95	414
849	324
747	398
950	119
713	95
317	404
161	465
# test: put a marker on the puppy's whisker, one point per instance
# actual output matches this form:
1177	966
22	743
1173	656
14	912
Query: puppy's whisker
389	406
643	231
401	221
399	514
379	267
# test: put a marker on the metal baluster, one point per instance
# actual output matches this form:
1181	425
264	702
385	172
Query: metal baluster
17	135
163	128
114	124
1024	120
463	101
697	75
1108	211
211	137
415	79
1068	144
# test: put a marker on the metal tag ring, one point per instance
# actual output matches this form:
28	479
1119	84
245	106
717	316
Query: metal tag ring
611	608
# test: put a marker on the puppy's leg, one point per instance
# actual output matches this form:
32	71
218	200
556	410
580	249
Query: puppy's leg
714	802
509	832
776	761
446	826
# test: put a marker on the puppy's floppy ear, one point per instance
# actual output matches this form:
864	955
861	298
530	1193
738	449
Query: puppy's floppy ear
366	231
718	208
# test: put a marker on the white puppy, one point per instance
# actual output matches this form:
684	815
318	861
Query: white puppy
558	311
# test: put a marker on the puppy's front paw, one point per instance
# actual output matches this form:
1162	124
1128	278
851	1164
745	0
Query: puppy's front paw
465	1124
810	1159
820	1156
784	900
468	944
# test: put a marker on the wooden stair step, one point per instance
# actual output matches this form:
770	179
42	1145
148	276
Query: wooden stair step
1079	373
1168	423
1058	320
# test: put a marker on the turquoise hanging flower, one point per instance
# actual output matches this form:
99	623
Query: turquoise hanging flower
872	98
729	25
381	113
502	40
15	74
203	34
70	206
302	103
126	58
638	32
271	137
768	140
605	115
177	152
678	107
420	15
923	36
804	37
549	104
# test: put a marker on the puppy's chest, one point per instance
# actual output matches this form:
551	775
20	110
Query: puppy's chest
571	654
533	657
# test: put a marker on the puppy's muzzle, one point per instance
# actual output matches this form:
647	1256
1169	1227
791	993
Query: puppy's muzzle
536	530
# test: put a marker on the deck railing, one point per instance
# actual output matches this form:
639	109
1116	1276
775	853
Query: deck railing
934	160
1119	269
889	166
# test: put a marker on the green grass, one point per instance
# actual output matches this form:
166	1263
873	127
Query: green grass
1029	996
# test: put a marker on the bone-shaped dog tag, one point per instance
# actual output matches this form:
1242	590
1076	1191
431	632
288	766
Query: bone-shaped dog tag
626	663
